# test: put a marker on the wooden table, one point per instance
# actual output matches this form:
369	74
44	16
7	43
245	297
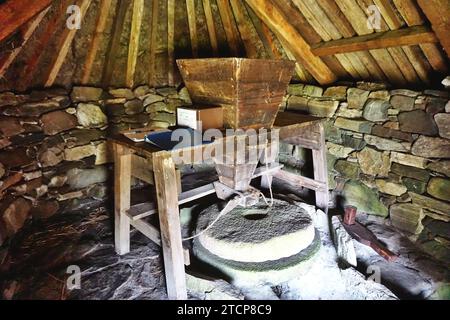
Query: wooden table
157	167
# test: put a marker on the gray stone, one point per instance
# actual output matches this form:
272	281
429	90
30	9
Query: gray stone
167	91
354	125
343	242
141	91
82	178
352	142
160	107
403	103
86	94
446	82
417	121
37	108
405	92
364	198
78	153
345	112
134	107
373	162
387	144
447	107
298	103
435	105
312	91
384	132
414	185
91	116
122	93
58	121
347	169
437	227
371	86
411	172
15	214
211	289
357	98
81	137
338	151
9	99
332	133
380	94
322	108
390	187
431	147
439	188
430	203
338	93
295	89
152	98
376	110
183	94
437	93
10	127
407	217
443	123
163	117
440	166
409	160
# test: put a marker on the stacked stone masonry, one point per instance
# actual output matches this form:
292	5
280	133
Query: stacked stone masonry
388	154
53	151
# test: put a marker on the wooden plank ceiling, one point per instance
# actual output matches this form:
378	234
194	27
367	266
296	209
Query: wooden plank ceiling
128	43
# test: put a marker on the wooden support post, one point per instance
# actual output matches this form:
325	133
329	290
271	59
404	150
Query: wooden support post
122	190
167	194
320	170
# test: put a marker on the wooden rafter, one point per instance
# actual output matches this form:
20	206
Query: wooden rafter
153	37
171	40
190	4
28	32
96	41
438	13
402	37
64	46
228	24
300	49
133	47
211	27
119	20
14	14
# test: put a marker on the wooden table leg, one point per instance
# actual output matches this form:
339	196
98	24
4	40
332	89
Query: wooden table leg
169	219
122	189
320	170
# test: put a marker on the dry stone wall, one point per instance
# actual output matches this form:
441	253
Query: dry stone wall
54	156
388	154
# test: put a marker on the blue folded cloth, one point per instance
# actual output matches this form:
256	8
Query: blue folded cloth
178	139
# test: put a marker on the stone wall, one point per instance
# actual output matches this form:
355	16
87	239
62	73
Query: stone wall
53	151
388	154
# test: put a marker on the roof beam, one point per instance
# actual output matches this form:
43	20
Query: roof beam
395	38
14	14
297	45
190	4
438	12
133	47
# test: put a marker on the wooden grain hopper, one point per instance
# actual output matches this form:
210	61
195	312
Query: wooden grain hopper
249	90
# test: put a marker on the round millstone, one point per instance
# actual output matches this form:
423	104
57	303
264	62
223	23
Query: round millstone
256	234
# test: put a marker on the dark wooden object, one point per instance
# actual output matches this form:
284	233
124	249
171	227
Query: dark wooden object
366	237
249	90
350	215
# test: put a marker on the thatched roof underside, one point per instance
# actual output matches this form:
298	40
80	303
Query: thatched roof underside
127	43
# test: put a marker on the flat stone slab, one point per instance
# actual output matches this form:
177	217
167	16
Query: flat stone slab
256	234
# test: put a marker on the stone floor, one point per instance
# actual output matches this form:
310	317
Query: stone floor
36	263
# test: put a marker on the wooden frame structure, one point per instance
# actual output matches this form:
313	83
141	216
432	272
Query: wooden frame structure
147	163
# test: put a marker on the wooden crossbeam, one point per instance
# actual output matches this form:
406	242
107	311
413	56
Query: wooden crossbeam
64	46
142	210
28	32
133	47
14	14
395	38
300	181
438	12
301	50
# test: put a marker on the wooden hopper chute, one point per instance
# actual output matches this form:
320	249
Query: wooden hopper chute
249	90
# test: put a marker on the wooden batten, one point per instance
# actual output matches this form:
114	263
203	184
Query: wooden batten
211	27
229	26
171	41
190	4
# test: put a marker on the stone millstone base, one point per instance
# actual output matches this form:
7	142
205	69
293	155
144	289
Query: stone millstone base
272	271
256	234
